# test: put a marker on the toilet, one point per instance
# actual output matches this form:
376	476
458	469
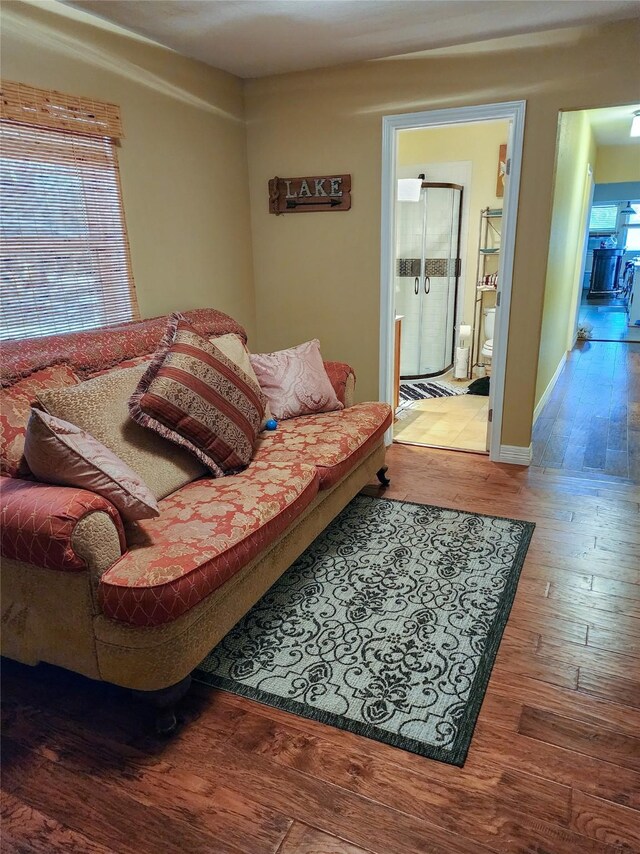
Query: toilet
489	322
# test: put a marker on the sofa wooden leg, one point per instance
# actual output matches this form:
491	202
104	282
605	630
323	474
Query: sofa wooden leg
381	474
164	701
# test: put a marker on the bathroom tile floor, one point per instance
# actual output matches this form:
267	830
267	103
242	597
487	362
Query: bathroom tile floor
458	422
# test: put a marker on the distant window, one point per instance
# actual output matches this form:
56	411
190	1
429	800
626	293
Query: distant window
632	243
603	218
64	255
634	218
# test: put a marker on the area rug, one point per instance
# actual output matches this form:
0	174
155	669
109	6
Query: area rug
387	625
424	390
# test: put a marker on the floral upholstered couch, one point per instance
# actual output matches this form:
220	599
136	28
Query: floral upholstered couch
141	604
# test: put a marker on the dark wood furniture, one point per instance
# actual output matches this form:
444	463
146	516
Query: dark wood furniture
396	362
605	272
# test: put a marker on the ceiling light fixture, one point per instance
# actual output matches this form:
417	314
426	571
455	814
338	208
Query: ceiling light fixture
409	189
635	124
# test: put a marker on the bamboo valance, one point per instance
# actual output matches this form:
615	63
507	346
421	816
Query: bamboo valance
46	108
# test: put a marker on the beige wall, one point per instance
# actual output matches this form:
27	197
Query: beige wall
183	161
576	153
479	144
617	163
317	274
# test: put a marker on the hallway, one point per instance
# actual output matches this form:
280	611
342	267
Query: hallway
609	320
591	422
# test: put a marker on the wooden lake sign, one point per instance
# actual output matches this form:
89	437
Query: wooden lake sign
314	193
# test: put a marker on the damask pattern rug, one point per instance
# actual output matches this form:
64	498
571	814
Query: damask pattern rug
388	625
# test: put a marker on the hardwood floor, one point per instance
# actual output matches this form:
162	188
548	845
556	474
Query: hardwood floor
591	422
554	765
608	318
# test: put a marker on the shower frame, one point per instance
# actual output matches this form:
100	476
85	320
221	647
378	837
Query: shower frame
458	263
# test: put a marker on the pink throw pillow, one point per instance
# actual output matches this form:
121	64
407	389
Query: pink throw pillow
61	453
295	381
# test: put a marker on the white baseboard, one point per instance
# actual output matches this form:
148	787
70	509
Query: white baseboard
548	390
515	454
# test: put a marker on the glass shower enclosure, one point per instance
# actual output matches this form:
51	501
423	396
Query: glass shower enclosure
427	278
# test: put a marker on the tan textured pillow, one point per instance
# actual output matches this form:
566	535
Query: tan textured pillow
59	452
233	347
100	406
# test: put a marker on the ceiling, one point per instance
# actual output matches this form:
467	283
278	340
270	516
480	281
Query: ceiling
611	125
256	38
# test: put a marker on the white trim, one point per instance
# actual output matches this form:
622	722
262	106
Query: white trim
515	454
513	111
387	295
549	389
505	275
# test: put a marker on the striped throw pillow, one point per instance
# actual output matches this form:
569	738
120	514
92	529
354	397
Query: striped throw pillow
195	396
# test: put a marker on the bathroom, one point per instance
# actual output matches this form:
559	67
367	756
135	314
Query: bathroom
447	239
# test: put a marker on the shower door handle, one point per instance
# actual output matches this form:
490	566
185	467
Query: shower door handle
416	285
427	288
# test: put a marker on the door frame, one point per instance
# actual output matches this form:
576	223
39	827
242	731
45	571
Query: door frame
587	202
514	112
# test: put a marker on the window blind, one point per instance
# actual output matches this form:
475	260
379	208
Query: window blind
64	253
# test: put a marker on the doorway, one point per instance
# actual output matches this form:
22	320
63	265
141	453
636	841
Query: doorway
447	256
607	309
585	419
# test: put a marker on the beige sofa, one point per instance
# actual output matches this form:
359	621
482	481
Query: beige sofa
141	606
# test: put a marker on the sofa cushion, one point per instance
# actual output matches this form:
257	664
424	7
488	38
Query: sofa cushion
195	396
332	441
206	532
100	406
16	408
125	363
61	453
295	381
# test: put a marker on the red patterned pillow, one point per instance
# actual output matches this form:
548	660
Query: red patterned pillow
200	399
16	409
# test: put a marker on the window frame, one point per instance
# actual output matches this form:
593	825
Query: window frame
615	206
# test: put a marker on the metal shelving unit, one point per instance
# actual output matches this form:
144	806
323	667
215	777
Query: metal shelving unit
486	275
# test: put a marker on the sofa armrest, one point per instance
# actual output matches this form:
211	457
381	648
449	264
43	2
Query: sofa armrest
47	525
343	380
